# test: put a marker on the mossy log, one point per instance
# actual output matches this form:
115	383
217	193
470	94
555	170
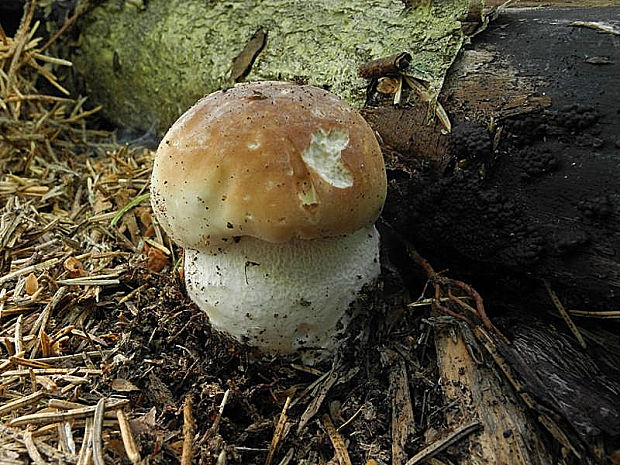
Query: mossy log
526	183
147	62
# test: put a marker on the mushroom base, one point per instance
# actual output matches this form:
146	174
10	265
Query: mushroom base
283	297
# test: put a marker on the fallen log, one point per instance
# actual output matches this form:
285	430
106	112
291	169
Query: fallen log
525	186
147	62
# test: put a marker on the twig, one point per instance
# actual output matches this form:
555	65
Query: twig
82	7
315	404
21	37
29	269
557	433
19	342
41	322
287	457
353	417
603	315
310	387
385	66
216	423
442	444
51	371
189	432
66	405
597	26
78	356
564	314
3	36
22	402
54	417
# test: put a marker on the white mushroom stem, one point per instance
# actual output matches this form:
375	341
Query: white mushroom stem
283	297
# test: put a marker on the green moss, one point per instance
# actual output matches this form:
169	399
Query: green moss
148	65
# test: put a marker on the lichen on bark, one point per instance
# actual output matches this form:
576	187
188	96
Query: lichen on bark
148	64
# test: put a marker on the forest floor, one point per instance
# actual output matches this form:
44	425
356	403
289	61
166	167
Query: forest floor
104	359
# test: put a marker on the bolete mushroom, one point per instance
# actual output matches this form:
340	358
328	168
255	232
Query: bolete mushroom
273	189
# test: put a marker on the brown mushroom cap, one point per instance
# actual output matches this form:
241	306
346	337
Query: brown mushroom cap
271	160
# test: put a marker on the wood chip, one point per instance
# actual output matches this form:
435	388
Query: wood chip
242	63
402	411
131	449
342	454
278	432
189	432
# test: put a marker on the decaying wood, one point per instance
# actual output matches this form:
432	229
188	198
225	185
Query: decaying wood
508	434
526	182
340	448
452	438
471	203
278	433
403	424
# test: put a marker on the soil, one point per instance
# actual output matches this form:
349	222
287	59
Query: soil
171	353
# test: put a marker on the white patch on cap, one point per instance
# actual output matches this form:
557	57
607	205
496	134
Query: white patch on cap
324	155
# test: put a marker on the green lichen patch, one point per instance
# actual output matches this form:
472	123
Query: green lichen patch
148	65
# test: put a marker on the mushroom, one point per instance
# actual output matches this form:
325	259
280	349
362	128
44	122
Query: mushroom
273	189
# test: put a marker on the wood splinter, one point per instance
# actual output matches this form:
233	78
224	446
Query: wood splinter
189	432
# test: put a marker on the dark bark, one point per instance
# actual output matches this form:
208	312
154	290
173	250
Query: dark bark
525	188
